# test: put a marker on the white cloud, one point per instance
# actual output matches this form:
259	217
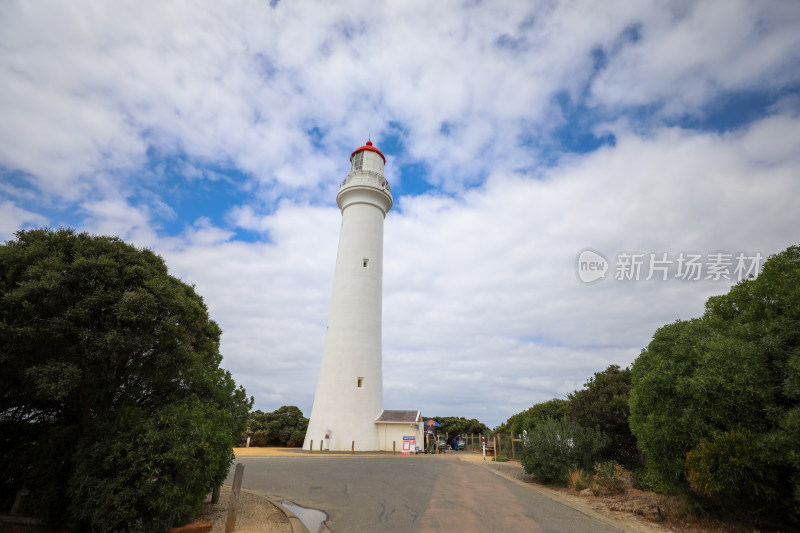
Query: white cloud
92	87
690	52
117	217
12	218
483	311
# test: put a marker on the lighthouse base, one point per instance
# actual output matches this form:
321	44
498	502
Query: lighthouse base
385	433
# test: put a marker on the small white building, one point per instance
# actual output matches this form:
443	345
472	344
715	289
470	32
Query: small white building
396	428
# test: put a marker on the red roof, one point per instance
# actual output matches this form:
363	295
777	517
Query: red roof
371	148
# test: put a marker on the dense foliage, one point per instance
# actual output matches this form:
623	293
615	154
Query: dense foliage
458	425
114	412
715	404
556	446
285	426
602	404
528	419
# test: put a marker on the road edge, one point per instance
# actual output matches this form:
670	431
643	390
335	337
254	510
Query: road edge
581	507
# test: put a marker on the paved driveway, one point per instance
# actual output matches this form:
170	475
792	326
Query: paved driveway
416	493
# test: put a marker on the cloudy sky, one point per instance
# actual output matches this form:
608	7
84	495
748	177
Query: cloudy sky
662	137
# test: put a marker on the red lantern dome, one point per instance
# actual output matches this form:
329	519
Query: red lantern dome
371	148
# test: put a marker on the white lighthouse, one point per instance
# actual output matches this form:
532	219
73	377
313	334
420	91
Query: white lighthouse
349	397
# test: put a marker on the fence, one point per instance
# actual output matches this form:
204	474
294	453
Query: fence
507	444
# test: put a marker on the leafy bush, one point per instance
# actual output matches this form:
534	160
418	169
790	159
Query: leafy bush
458	425
610	477
285	426
725	389
528	419
727	465
602	403
114	410
645	479
555	447
147	472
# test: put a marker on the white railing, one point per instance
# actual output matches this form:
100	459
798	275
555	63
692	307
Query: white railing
367	177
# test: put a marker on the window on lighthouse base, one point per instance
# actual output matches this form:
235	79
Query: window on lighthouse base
360	383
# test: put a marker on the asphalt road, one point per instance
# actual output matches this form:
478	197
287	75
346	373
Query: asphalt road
416	493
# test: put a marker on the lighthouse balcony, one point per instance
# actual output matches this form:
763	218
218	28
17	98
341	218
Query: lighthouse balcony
366	177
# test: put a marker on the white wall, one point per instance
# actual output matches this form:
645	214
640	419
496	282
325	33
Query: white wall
388	433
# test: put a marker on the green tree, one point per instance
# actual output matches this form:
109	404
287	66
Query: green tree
602	404
103	352
528	419
458	425
701	385
286	426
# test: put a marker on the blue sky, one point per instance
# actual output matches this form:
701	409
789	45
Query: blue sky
516	134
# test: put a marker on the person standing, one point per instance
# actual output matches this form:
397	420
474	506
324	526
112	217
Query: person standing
431	439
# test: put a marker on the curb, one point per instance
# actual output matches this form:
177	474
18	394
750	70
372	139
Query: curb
297	525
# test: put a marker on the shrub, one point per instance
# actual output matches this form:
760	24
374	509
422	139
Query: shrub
458	425
577	480
725	389
602	403
528	419
727	465
114	411
145	473
644	478
555	447
610	477
285	426
502	458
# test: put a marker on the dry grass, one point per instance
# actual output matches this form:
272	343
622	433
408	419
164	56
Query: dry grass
577	480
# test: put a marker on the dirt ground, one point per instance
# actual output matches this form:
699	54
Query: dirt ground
255	514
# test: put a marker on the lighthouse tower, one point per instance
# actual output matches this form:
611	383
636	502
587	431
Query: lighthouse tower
349	395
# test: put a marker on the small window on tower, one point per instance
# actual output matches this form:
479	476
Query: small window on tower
358	161
366	262
360	383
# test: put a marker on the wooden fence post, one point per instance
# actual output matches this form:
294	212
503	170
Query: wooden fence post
230	523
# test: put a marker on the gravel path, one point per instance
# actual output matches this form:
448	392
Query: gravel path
256	514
